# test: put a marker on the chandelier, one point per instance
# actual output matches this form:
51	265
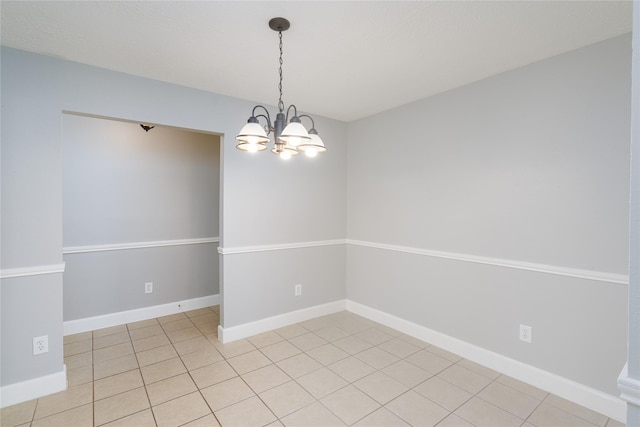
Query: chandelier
290	136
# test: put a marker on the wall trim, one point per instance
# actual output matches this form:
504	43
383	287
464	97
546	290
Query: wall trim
137	245
604	403
630	387
12	394
234	333
8	273
620	279
279	247
113	319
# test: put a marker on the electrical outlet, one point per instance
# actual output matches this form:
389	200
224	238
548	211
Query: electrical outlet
525	333
148	287
297	290
40	344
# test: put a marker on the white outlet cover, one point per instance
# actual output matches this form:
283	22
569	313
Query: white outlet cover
148	287
298	290
525	333
41	344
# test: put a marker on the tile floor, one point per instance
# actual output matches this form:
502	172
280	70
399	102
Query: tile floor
334	370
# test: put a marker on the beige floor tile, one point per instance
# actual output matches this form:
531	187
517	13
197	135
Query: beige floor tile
171	318
279	351
286	398
549	416
184	334
355	325
377	358
71	398
181	410
350	404
265	339
352	344
18	414
484	414
226	393
208	328
428	361
203	357
82	336
139	419
522	387
390	331
249	362
249	412
205	318
109	331
265	378
79	360
415	341
235	348
212	374
327	354
162	370
374	336
276	423
191	345
351	369
322	382
464	378
114	366
399	347
117	384
291	331
81	375
142	324
444	354
198	312
206	421
455	421
314	415
407	373
176	325
150	342
155	355
381	387
515	402
577	410
308	341
111	340
120	405
381	418
112	352
171	388
298	365
443	393
479	369
417	410
315	324
78	347
332	333
81	416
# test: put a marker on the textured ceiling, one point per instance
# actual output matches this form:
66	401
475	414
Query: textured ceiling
342	59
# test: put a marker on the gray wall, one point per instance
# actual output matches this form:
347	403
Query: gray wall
263	201
124	185
529	166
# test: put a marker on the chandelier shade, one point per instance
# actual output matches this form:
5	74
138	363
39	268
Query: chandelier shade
290	136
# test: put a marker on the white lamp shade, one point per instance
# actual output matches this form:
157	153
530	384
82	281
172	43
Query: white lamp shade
313	147
252	137
294	134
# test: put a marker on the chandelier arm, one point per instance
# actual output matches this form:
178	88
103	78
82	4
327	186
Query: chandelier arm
295	111
266	115
313	125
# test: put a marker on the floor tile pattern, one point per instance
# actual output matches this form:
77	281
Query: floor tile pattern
335	370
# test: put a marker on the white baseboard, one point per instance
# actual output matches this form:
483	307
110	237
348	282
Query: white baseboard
226	335
129	316
12	394
606	404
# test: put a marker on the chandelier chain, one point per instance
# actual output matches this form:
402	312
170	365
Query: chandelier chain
280	102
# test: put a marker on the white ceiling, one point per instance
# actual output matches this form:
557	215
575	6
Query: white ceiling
342	59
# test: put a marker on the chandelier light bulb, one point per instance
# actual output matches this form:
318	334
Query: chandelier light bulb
285	155
252	148
311	152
